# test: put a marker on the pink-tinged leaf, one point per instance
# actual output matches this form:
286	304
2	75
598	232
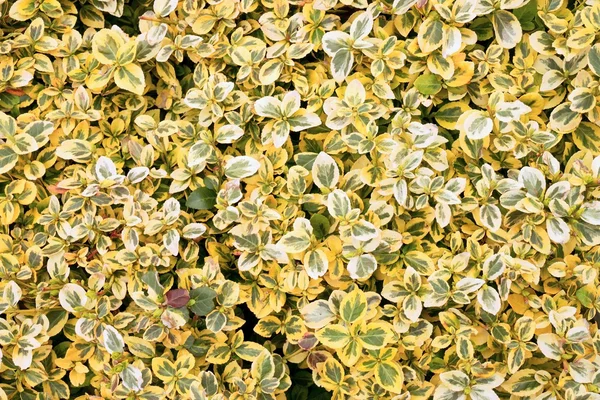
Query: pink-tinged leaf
178	298
308	341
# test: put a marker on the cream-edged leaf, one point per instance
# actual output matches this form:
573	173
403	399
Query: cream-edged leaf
241	167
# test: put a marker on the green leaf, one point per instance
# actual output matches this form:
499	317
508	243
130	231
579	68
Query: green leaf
202	199
320	224
203	300
428	84
526	15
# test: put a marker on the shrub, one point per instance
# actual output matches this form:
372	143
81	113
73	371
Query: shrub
289	199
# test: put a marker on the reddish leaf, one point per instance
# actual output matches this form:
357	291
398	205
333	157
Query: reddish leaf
308	341
54	189
178	298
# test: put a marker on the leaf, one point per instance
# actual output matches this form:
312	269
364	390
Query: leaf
428	84
594	59
489	300
72	296
325	171
130	77
75	149
476	124
511	111
420	262
335	41
241	167
105	46
361	26
334	336
132	378
431	35
317	314
558	230
248	351
375	335
549	345
412	307
263	366
389	375
303	120
362	267
533	181
363	230
321	225
164	7
316	263
163	369
523	383
354	306
447	116
587	137
171	241
216	321
491	217
228	134
113	341
202	199
338	204
333	371
507	29
341	64
203	300
8	159
294	242
198	153
269	107
177	298
456	381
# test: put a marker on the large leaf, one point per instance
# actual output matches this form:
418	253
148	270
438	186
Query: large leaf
507	29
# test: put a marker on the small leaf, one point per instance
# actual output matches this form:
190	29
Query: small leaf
202	199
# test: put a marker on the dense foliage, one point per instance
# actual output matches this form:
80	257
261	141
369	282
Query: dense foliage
301	199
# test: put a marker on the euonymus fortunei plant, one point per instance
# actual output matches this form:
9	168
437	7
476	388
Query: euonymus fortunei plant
300	199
